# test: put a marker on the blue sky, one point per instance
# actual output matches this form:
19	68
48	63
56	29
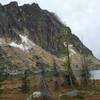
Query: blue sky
83	16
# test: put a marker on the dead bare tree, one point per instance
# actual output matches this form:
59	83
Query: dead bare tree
44	89
56	75
85	75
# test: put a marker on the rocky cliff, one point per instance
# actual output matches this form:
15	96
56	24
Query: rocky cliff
26	29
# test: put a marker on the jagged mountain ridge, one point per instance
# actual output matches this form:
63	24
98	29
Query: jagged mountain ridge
39	25
29	30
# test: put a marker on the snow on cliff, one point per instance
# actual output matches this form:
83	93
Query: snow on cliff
26	44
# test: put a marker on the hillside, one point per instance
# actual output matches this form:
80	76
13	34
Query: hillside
29	33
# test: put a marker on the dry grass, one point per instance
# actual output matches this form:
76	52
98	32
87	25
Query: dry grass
12	91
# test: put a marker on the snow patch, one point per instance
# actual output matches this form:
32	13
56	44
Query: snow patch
25	45
71	49
13	44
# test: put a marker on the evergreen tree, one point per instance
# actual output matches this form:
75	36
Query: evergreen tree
68	75
25	87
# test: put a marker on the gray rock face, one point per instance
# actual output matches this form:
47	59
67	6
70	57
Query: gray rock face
43	27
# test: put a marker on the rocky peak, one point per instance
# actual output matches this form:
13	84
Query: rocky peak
28	32
41	26
35	5
12	4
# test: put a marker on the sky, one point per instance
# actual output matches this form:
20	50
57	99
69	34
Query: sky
82	16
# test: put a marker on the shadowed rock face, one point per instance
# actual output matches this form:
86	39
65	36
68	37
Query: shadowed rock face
41	26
